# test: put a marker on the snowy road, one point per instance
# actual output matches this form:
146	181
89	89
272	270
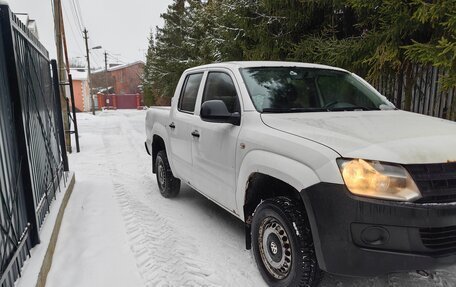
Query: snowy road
119	231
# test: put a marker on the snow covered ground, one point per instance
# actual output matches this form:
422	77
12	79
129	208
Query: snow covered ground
119	231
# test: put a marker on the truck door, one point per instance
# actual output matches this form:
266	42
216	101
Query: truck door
180	126
214	144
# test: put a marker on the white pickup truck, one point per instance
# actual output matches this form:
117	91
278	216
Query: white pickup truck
325	172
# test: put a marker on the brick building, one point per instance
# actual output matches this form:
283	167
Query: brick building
120	80
81	90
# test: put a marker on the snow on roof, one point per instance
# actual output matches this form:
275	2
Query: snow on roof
255	64
23	17
79	74
119	67
29	23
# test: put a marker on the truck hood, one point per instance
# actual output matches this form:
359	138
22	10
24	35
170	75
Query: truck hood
391	136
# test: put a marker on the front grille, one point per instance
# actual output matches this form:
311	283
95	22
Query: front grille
436	182
439	239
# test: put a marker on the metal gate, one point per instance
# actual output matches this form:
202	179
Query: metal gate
31	129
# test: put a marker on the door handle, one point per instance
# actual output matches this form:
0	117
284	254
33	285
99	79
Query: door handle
195	134
172	125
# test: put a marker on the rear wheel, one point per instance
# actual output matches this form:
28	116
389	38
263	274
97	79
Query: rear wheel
282	244
169	185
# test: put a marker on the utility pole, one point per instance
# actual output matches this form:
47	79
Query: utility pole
106	61
62	26
86	38
106	71
58	26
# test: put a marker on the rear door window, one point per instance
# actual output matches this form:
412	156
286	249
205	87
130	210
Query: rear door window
189	93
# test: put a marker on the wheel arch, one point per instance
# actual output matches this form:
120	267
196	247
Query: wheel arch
158	144
291	172
157	138
265	175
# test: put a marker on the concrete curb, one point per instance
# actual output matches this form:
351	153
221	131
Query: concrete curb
47	261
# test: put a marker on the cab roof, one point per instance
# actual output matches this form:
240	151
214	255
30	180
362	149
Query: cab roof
257	64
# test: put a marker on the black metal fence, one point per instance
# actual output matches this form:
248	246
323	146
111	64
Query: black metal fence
31	154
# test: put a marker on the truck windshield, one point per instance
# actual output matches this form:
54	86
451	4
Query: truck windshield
295	89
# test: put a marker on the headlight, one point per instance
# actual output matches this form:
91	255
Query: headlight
379	180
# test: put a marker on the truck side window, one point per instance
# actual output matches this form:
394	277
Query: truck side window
220	86
190	92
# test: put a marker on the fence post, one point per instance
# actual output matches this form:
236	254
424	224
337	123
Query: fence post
19	125
58	114
400	82
452	113
73	110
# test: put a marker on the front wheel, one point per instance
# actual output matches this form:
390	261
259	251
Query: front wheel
282	244
169	185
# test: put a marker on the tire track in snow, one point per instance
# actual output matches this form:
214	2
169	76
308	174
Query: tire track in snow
164	256
233	264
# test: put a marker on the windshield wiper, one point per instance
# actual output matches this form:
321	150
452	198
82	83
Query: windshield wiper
330	105
353	108
294	110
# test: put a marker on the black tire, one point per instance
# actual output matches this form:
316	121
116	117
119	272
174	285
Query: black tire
169	185
282	244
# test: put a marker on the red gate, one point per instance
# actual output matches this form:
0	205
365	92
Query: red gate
127	101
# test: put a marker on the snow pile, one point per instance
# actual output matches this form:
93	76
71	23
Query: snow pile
32	266
119	231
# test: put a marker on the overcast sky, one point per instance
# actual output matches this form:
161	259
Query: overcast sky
121	27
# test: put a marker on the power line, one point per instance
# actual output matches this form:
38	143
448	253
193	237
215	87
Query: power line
81	27
78	11
78	21
76	16
96	57
75	35
73	13
119	56
116	59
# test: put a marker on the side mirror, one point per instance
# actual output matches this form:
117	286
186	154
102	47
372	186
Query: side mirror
215	111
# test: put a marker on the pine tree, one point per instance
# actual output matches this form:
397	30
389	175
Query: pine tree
372	38
148	80
440	48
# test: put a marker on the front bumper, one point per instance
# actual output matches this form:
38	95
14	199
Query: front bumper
358	236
